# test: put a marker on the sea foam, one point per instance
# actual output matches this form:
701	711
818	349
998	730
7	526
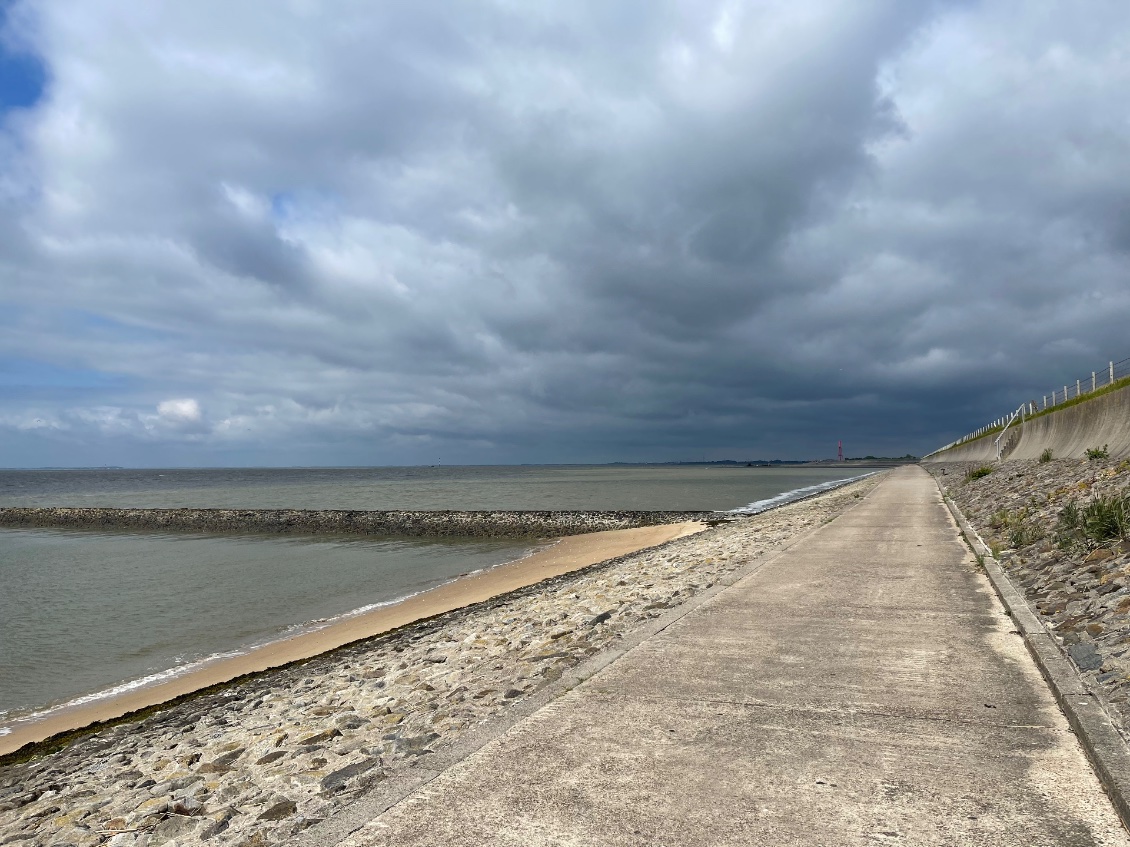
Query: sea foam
759	506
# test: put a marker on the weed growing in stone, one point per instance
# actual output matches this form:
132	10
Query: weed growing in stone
1017	526
1046	456
1095	453
977	473
1024	534
1103	519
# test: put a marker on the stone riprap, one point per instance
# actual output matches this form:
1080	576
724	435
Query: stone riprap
496	524
1080	588
261	759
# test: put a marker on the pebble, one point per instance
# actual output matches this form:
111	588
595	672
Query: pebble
264	758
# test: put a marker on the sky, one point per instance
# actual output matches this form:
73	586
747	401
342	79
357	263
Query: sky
346	233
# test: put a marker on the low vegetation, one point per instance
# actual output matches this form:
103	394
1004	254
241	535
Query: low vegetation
1105	518
978	473
1046	456
1097	453
1018	526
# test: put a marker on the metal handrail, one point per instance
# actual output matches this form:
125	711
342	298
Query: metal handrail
1019	413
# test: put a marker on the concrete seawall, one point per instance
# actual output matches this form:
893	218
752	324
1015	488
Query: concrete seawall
1068	433
498	524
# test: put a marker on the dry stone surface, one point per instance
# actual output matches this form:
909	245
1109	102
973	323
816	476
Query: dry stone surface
1081	590
263	759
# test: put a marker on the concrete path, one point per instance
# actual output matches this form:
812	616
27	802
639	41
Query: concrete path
862	688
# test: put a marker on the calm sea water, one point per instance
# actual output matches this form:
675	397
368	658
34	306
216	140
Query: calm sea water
85	613
465	488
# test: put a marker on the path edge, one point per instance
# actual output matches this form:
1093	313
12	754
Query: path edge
380	798
1084	710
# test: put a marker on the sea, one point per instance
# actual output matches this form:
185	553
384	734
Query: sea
86	615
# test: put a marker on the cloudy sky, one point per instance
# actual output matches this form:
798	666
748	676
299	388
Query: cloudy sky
340	232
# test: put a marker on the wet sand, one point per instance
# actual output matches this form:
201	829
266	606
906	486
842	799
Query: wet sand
568	554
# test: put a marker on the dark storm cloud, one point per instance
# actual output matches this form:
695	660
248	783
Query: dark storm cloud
355	234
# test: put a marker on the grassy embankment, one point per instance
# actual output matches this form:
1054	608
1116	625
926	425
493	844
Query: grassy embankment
1066	404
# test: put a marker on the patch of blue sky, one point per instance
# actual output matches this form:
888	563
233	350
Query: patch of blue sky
23	77
17	373
77	323
303	204
281	205
80	322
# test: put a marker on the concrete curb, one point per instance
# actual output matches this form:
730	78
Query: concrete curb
387	794
1084	710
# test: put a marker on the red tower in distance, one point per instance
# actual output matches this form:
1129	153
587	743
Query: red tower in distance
840	455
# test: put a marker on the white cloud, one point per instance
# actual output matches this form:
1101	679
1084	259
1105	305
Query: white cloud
179	411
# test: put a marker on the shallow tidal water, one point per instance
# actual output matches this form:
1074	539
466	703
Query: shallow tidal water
83	611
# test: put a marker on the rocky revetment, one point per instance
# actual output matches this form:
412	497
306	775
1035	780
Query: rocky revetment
1060	529
405	524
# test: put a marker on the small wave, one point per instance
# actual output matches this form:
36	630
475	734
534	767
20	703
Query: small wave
759	506
295	630
182	667
122	688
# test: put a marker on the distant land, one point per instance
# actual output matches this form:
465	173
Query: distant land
765	463
722	462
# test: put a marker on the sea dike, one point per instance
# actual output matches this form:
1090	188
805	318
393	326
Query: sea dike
257	761
411	524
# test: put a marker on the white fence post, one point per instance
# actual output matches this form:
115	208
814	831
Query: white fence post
1078	390
1112	373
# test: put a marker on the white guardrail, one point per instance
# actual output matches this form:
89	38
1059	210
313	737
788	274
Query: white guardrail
1112	373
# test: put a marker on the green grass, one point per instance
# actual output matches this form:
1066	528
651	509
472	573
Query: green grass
977	473
1083	398
986	434
1074	401
1103	519
1017	526
1046	456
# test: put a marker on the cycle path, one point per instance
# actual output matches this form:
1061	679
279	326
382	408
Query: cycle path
864	687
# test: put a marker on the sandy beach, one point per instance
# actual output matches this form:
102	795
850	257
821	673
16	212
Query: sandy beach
269	755
565	555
